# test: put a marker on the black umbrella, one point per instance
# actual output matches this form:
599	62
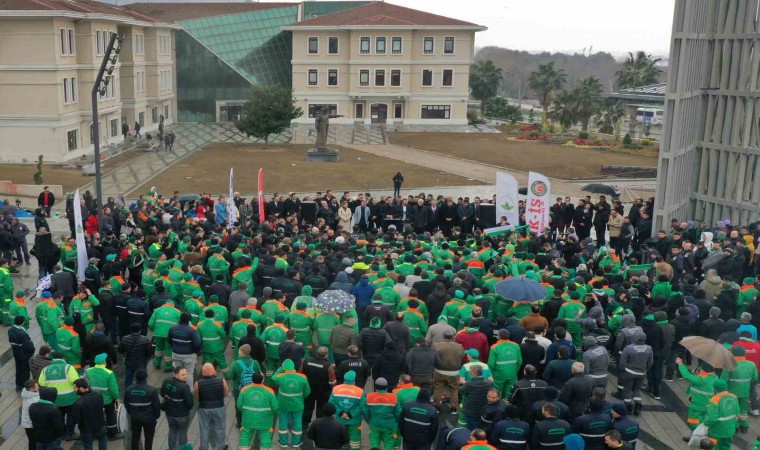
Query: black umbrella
596	188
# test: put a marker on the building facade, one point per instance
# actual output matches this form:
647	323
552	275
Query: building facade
383	63
709	166
50	54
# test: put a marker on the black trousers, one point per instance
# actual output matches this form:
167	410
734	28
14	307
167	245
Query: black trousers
22	372
320	398
137	429
110	410
30	438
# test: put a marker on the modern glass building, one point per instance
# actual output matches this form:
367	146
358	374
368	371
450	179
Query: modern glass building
223	49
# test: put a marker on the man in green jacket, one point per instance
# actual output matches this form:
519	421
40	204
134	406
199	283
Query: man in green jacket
504	360
381	410
69	343
239	328
273	336
220	312
49	315
61	376
415	320
291	396
570	311
303	325
721	416
700	391
18	308
84	304
740	381
212	337
348	400
6	289
244	364
194	307
161	321
258	405
103	380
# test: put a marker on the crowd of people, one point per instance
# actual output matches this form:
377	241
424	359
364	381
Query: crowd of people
431	354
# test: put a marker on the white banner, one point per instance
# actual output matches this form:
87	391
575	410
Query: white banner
82	260
231	210
539	201
506	199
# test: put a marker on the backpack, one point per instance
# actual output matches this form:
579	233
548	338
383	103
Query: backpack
246	377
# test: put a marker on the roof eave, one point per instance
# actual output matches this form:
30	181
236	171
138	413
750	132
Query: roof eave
297	27
89	16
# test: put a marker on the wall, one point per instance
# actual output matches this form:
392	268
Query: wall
29	190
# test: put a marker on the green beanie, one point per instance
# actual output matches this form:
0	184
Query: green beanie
69	321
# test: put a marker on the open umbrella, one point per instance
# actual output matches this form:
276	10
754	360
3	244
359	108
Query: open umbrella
520	289
335	300
711	351
189	198
597	188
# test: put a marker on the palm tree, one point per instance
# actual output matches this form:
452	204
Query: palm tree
609	114
565	108
485	79
639	70
587	95
546	81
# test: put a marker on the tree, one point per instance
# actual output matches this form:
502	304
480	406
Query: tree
609	116
639	70
564	108
498	107
37	176
269	110
546	81
587	101
485	79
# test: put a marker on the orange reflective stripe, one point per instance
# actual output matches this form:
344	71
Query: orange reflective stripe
691	420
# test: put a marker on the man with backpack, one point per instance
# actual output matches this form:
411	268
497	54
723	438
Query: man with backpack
241	373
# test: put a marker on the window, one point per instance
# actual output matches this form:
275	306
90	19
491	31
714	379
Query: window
114	127
396	77
102	38
448	46
396	45
364	78
167	110
332	77
165	44
139	44
359	111
141	118
154	114
380	45
313	77
68	42
313	45
140	81
314	109
72	139
364	46
92	133
448	77
428	45
165	80
380	77
110	91
332	45
427	77
398	111
69	90
436	111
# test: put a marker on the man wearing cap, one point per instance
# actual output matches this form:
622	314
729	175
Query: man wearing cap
103	380
92	278
381	411
700	390
69	343
451	308
161	321
23	350
624	424
291	396
739	382
472	360
347	398
195	306
49	315
185	343
61	376
721	416
259	407
144	409
84	304
504	361
17	307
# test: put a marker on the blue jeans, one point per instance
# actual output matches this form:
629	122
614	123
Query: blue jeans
53	445
95	435
129	375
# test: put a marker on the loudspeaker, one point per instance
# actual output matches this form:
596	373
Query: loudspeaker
309	212
487	216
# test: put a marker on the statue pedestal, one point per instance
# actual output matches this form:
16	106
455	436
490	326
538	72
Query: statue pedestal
321	155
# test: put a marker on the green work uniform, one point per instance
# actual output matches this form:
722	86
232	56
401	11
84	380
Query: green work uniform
161	321
291	396
381	410
451	311
60	375
220	312
570	311
739	383
239	329
70	345
212	337
348	400
6	293
504	360
18	308
273	336
217	264
103	380
324	323
195	308
416	322
85	309
721	419
258	405
272	308
49	316
700	391
303	325
406	393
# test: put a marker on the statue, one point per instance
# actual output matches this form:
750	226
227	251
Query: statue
322	124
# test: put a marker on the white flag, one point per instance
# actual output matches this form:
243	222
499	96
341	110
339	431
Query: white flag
231	211
506	199
82	260
539	199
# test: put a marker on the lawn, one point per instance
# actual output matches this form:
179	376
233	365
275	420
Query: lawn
553	160
286	169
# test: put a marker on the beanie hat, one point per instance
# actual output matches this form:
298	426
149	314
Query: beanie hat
382	384
720	385
329	410
459	294
20	293
472	352
620	409
213	298
197	293
68	321
101	358
349	377
47	294
706	366
714	311
739	351
141	375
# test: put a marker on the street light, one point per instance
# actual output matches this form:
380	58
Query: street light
100	87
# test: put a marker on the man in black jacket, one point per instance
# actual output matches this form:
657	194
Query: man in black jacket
136	350
326	432
186	344
88	413
576	392
475	394
357	364
179	401
528	390
98	342
549	432
418	422
258	351
23	350
144	409
47	419
420	362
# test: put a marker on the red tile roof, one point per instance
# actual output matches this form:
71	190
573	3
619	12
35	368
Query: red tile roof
382	13
80	6
173	12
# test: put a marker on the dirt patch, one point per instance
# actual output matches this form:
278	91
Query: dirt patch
286	169
553	160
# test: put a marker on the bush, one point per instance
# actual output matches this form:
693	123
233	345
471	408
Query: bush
627	139
583	135
38	176
474	117
646	142
534	134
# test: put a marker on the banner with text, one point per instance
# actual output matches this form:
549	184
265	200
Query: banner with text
82	260
506	199
539	200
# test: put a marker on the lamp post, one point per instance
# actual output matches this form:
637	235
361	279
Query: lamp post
100	87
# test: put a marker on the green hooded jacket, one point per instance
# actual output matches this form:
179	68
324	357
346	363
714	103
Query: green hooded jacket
293	387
